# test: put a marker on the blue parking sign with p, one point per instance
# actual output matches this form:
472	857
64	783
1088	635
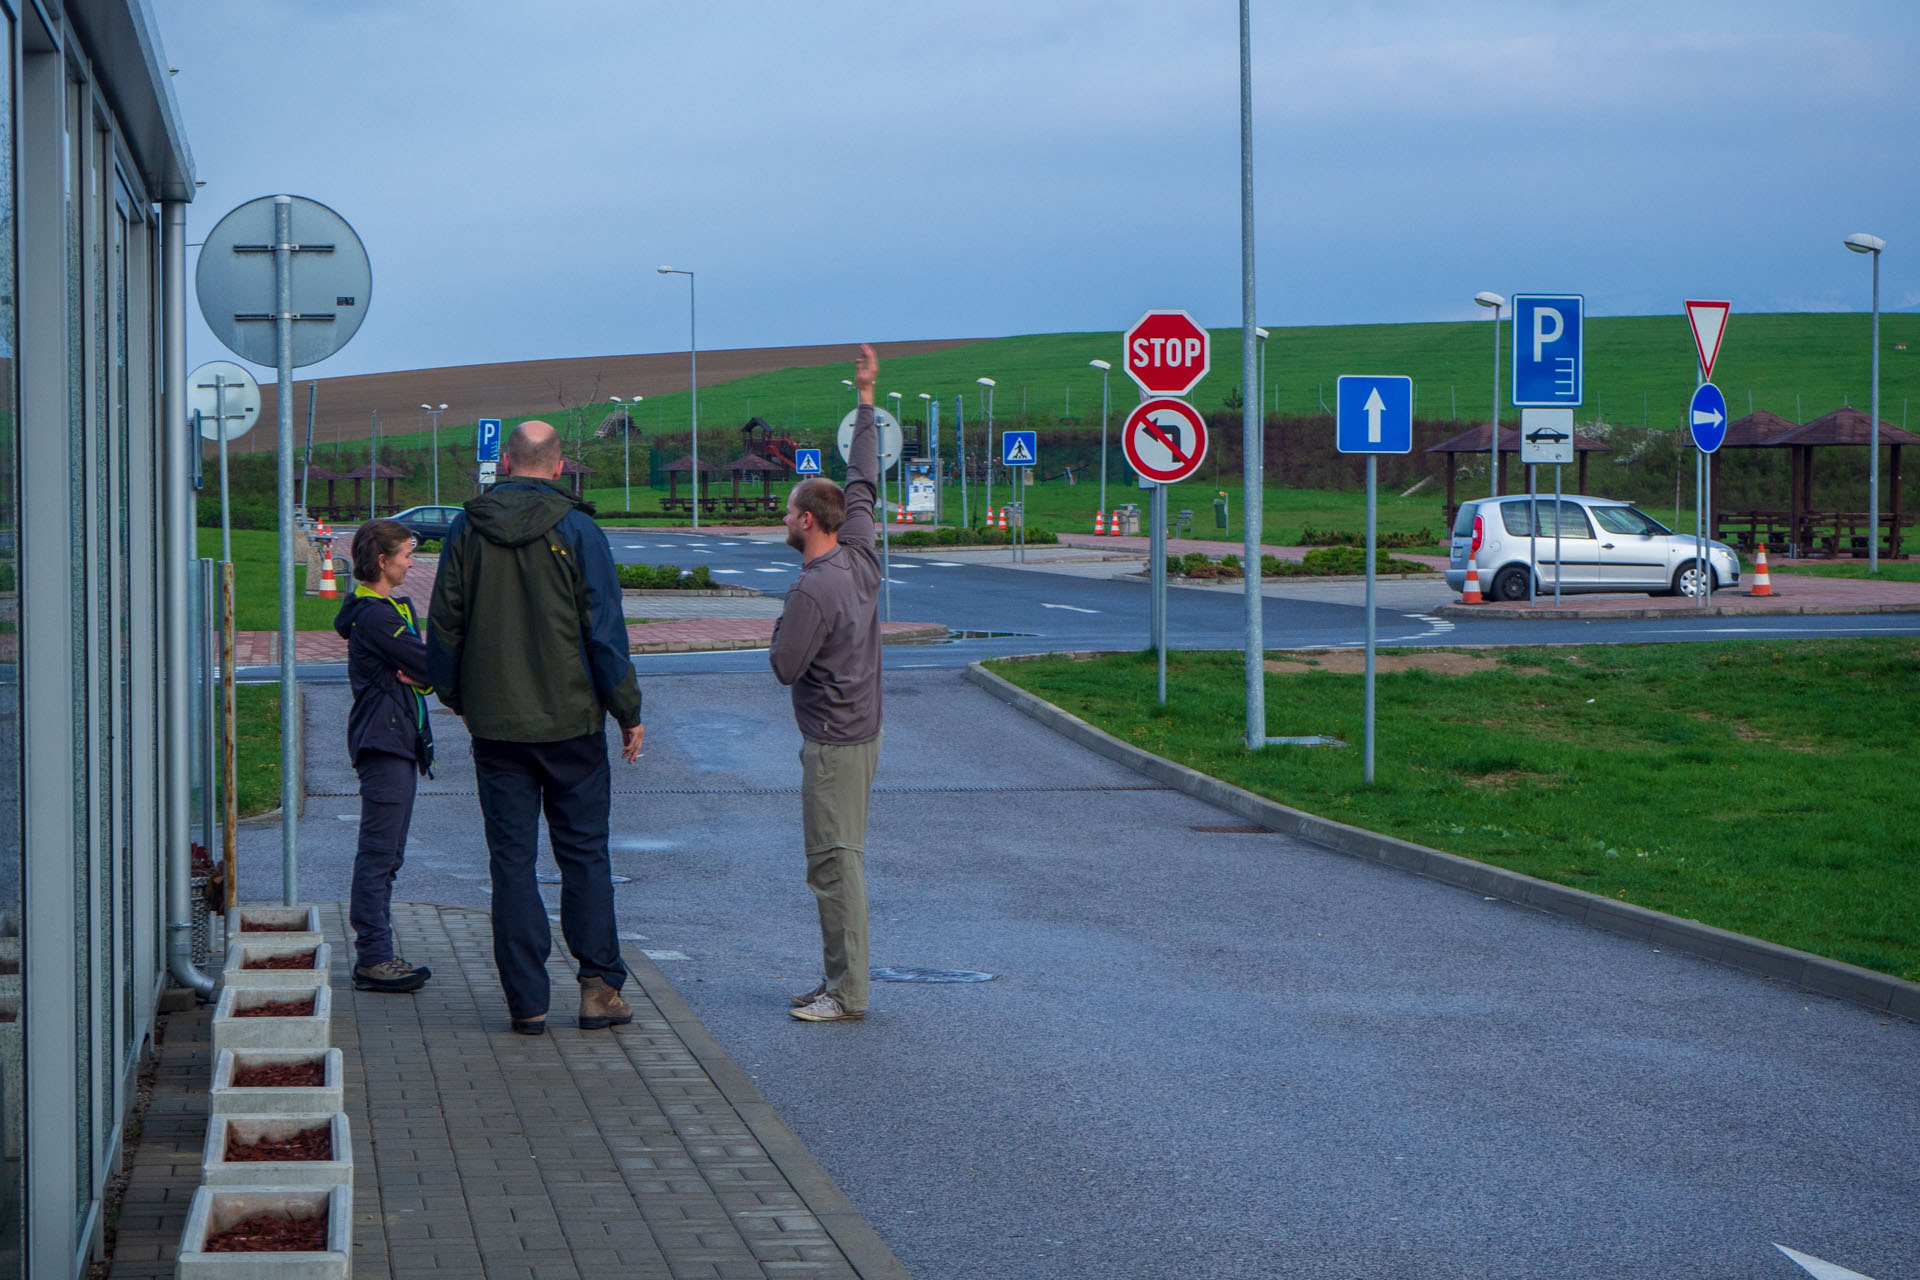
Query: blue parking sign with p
487	442
806	461
1549	348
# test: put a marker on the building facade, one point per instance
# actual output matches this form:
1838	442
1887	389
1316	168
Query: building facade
95	535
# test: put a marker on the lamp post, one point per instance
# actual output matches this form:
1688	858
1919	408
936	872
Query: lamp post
693	377
1104	368
436	412
626	438
900	474
1861	242
988	384
1494	300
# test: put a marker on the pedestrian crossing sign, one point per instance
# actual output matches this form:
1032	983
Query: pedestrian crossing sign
806	461
1019	448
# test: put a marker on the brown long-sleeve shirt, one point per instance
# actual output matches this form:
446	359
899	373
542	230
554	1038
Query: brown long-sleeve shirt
827	642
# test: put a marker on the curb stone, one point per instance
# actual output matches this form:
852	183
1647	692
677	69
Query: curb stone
1507	613
1880	992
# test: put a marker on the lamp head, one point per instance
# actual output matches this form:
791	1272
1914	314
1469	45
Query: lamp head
986	382
846	382
1101	365
925	396
1489	299
1259	333
443	406
427	407
666	271
1861	242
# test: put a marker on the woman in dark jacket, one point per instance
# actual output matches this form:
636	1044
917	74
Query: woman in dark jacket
388	739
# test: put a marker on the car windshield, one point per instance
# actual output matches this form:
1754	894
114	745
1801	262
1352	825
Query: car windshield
1628	520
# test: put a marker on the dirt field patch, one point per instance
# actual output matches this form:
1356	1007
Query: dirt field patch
1351	662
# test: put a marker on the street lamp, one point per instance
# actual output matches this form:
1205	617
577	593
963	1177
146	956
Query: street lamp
1104	368
988	384
1494	300
1861	242
627	439
693	366
436	412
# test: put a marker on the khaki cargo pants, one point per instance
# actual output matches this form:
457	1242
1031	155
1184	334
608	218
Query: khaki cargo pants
836	782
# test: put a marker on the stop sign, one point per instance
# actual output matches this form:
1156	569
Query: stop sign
1166	353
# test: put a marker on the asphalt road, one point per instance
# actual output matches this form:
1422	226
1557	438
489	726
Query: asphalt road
1203	1054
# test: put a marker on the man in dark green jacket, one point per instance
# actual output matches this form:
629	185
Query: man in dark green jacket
529	647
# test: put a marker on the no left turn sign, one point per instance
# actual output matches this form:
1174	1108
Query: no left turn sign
1165	440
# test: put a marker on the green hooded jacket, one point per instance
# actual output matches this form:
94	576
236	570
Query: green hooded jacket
528	639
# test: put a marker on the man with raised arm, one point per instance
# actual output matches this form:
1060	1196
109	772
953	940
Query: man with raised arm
827	646
529	647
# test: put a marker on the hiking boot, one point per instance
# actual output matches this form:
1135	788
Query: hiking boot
394	975
601	1006
826	1009
808	997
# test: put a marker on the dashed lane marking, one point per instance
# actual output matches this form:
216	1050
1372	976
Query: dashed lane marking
729	570
664	955
1819	1268
766	571
1071	608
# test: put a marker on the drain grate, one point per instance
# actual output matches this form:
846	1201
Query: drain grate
1234	831
929	975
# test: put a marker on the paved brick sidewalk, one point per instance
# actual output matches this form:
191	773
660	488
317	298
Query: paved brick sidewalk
640	1153
684	635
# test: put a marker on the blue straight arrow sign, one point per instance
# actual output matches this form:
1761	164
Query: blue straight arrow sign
1374	414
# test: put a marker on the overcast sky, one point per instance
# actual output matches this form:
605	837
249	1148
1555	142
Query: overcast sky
845	169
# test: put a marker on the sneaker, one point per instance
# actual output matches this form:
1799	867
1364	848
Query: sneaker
534	1026
394	975
826	1009
601	1006
808	997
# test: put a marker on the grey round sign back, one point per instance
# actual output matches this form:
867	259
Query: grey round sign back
241	397
889	437
238	286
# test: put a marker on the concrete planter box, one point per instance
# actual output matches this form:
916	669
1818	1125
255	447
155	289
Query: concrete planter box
263	913
311	1032
243	951
218	1171
322	1099
215	1209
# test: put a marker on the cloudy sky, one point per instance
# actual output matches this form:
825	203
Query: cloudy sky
846	169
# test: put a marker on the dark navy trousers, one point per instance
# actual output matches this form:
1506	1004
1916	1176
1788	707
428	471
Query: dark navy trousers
570	782
386	811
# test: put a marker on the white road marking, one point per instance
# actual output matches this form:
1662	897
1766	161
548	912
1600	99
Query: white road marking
636	546
633	937
781	570
1073	608
729	571
663	955
944	564
1816	1267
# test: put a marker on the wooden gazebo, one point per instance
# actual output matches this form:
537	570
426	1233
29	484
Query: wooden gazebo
375	472
314	471
684	465
752	464
1805	530
1474	441
574	474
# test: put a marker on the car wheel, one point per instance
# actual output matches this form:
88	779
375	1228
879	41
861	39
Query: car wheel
1510	583
1687	581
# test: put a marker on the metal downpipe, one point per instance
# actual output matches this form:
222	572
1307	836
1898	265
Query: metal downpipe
176	472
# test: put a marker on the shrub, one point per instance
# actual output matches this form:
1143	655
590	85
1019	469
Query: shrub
664	577
1312	537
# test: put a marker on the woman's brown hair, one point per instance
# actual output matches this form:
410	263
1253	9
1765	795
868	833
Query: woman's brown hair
374	539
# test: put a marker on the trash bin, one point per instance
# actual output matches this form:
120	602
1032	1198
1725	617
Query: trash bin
1220	512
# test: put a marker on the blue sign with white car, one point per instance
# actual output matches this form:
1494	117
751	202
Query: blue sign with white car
1373	413
806	461
487	444
1707	415
1549	349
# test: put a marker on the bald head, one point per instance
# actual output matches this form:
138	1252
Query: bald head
533	451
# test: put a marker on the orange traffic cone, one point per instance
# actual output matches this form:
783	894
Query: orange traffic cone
1113	526
1003	517
1099	524
327	589
1762	584
1470	592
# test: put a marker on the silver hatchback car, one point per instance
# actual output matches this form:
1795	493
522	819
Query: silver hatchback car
1604	545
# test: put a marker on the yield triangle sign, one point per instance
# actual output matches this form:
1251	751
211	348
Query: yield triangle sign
1709	321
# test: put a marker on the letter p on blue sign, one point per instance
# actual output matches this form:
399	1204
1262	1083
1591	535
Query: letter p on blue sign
1549	350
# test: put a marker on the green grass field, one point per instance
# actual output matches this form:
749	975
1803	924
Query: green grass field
1890	570
256	583
1703	780
256	756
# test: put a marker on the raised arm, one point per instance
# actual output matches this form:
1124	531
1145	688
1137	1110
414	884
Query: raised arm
863	458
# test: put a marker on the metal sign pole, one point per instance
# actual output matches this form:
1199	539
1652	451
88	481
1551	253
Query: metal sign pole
220	425
960	451
1373	487
1533	530
306	457
1700	508
1158	555
1556	535
886	548
229	770
289	691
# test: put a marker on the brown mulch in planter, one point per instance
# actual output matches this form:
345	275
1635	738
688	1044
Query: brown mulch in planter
271	1233
298	960
278	1009
256	926
308	1144
280	1075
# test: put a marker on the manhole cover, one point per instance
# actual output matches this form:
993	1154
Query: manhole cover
928	975
553	877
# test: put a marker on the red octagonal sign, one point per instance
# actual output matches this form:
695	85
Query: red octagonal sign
1166	353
